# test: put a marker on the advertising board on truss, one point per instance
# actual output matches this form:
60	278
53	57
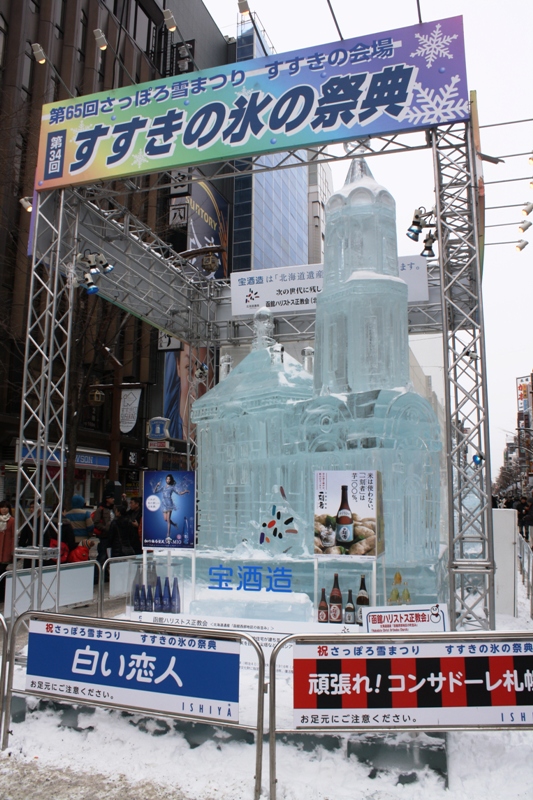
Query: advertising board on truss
401	80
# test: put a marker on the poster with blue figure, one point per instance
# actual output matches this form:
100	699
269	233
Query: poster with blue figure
169	509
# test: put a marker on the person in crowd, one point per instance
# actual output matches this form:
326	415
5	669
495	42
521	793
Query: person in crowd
80	518
526	520
521	506
102	519
135	513
7	540
123	538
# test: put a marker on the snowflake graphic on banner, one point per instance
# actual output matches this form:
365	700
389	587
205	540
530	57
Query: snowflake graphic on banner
431	106
433	46
139	159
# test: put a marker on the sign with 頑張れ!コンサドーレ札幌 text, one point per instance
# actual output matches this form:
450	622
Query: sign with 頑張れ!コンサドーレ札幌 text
400	80
410	683
182	675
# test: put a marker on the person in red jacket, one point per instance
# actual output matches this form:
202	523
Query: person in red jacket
7	540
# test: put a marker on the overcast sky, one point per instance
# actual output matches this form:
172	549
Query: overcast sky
498	55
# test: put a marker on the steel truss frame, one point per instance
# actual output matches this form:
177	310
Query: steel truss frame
154	283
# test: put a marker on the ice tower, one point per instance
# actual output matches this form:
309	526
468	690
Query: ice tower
266	429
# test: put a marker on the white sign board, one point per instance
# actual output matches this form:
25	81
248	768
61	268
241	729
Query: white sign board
286	290
406	619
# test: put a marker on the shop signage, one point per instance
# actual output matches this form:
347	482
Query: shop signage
401	80
129	408
413	683
84	459
192	675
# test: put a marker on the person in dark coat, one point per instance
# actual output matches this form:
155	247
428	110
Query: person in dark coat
123	538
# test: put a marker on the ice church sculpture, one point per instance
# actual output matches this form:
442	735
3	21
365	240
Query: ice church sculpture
269	425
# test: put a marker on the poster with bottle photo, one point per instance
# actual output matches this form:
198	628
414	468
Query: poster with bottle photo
168	509
348	513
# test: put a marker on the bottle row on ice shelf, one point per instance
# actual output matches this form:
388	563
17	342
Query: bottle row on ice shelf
161	597
333	611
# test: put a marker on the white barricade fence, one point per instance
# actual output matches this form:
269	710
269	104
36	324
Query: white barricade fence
76	586
150	668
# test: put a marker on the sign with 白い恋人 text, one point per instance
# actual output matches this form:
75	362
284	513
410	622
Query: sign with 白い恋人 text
190	675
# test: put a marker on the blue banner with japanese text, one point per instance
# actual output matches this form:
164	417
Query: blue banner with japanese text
184	675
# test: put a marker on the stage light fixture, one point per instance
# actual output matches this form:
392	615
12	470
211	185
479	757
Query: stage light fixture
101	41
89	285
170	22
478	459
429	241
26	203
244	8
528	208
39	53
415	229
521	244
524	225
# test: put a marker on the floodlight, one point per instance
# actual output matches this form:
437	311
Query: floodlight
415	229
170	22
89	284
524	225
183	51
528	208
244	8
39	53
531	158
26	203
101	41
521	244
429	241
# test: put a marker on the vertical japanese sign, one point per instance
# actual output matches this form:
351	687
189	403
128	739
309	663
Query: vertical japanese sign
400	80
411	684
355	496
190	675
169	509
523	388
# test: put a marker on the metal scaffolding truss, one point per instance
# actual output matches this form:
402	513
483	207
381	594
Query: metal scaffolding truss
156	284
471	557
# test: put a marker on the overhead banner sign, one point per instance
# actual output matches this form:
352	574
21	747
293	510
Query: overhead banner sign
287	290
401	80
412	683
194	676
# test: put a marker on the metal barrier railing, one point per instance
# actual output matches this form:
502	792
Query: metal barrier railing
525	565
105	570
375	640
160	630
25	590
3	658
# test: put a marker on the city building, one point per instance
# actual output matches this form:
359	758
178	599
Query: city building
72	62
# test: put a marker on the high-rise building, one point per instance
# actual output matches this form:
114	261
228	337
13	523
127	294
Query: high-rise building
270	208
140	48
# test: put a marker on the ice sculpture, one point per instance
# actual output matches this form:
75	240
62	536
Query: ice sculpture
264	431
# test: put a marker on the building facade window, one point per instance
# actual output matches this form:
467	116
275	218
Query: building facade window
3	39
27	71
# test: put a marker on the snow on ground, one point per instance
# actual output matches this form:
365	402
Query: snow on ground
112	755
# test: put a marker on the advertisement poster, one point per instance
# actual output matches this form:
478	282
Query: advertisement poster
348	509
169	509
412	683
193	676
